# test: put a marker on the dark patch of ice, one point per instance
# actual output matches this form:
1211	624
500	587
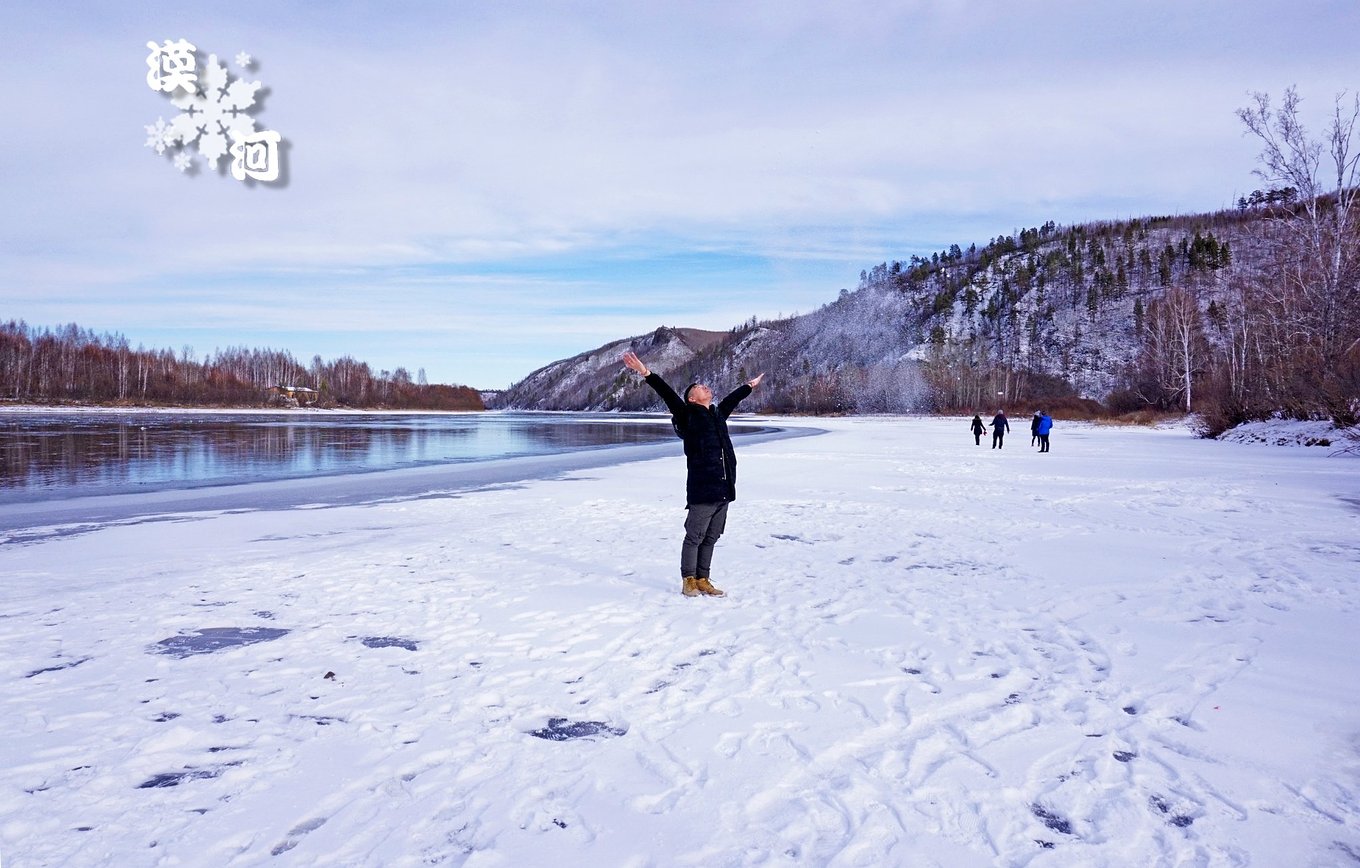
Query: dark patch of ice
911	671
1047	845
319	719
165	716
1013	699
211	639
390	642
1050	819
1129	709
1124	755
265	614
71	664
174	779
561	729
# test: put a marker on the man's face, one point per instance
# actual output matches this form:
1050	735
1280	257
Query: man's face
701	394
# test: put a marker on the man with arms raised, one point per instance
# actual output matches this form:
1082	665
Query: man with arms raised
711	483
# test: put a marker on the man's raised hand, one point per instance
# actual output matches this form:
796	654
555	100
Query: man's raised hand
634	363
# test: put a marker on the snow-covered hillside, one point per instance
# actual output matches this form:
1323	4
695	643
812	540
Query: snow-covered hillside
1058	306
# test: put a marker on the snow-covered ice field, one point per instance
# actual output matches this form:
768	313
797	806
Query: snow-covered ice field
1139	649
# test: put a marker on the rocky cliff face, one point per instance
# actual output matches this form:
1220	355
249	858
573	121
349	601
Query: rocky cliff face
597	380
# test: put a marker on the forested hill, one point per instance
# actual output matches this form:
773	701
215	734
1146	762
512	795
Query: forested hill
1154	312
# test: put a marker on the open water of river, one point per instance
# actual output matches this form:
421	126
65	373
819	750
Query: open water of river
59	455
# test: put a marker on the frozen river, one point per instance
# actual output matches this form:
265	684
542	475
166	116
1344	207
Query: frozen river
92	466
53	456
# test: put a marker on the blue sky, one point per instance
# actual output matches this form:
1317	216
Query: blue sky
478	189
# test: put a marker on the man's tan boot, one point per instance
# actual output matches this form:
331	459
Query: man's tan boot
706	587
691	588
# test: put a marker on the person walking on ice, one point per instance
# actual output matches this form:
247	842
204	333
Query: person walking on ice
711	481
978	430
1045	425
999	428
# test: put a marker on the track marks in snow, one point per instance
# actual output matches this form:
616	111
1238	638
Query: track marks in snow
900	674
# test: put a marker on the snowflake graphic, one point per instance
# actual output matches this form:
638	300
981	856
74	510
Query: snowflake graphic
210	114
214	116
156	135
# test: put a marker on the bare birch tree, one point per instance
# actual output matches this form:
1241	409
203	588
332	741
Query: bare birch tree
1319	278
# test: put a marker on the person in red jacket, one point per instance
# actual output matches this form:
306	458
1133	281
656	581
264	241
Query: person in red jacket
711	482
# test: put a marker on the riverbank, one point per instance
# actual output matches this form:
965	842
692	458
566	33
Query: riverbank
73	409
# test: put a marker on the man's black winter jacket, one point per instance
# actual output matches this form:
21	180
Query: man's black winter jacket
708	447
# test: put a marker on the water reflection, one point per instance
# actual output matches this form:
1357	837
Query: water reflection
44	456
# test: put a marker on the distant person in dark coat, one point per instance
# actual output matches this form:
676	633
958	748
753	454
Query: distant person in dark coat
999	428
1045	426
711	482
1034	427
978	429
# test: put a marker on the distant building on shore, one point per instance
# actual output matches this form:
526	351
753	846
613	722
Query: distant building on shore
300	396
